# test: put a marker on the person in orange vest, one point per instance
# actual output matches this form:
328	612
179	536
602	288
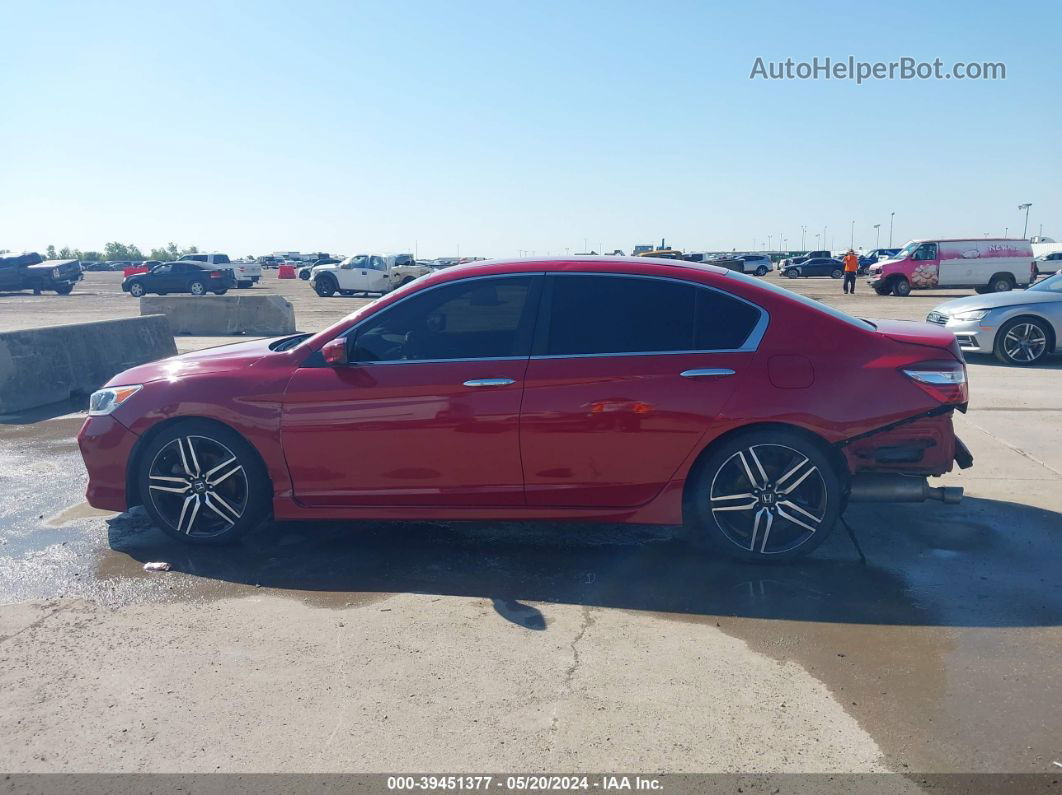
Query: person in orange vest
851	268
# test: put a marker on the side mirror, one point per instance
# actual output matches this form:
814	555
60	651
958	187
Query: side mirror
335	352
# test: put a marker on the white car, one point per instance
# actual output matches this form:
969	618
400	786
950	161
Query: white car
246	273
366	273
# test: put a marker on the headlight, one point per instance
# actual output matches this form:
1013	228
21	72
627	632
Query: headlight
977	314
107	400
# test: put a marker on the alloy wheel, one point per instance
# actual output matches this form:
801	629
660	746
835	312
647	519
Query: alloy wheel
197	288
768	499
198	486
1024	342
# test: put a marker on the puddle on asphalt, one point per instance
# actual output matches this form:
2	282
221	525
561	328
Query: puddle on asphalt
77	512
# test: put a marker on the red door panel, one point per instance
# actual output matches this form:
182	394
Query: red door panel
408	433
603	431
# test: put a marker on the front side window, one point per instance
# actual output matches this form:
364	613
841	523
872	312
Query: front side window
475	319
592	314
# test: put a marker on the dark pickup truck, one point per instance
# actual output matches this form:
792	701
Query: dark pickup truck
30	271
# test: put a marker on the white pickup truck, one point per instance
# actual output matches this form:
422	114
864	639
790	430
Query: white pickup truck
246	273
366	273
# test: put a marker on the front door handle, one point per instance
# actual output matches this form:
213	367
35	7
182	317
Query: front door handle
489	382
721	371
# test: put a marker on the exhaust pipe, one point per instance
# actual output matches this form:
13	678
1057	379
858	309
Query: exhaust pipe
900	488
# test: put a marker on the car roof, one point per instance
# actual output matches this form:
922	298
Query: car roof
657	265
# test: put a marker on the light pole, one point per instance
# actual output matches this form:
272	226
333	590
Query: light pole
824	235
769	239
891	216
851	241
1025	207
1005	230
816	240
803	231
877	235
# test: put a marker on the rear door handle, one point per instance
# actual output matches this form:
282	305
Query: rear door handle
489	382
721	371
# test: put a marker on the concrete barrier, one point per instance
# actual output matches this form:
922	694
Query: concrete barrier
218	315
46	365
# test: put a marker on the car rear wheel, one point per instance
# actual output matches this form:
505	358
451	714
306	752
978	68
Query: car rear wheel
793	273
136	289
221	291
197	288
1001	283
761	271
244	284
1022	341
203	483
764	495
836	273
64	289
901	287
325	286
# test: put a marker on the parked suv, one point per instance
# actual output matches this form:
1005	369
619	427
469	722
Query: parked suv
180	277
617	390
246	274
30	271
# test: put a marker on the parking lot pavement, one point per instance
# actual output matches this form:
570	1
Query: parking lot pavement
449	647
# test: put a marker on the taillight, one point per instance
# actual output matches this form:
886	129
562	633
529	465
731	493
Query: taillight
215	274
944	381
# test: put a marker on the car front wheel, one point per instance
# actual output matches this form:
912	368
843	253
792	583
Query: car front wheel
764	495
901	287
136	289
202	483
325	286
1022	341
793	273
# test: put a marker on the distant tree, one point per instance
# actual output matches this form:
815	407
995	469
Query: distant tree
64	253
161	254
89	256
120	251
172	252
50	253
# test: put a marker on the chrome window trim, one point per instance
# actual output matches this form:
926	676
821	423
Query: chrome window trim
751	345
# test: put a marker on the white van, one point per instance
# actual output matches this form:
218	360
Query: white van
989	265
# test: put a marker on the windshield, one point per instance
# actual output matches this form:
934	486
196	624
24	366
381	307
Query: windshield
357	261
1052	284
907	250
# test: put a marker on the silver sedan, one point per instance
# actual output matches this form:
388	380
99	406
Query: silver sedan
1020	326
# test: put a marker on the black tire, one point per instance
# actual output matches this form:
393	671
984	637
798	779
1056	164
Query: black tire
244	284
1001	283
346	292
1023	341
793	273
222	291
901	287
836	273
982	290
64	289
304	274
882	290
732	508
761	271
325	286
405	281
197	288
233	500
137	290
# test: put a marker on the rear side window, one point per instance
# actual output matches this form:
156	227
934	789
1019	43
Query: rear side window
592	314
220	259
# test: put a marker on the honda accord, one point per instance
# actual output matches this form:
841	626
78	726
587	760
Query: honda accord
604	388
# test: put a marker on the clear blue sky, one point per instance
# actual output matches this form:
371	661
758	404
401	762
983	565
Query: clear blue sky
503	127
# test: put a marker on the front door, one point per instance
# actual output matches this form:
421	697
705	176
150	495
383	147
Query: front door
428	411
926	271
628	375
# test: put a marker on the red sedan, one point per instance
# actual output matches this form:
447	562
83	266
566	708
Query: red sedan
609	389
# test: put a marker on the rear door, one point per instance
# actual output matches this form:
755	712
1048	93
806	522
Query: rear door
627	375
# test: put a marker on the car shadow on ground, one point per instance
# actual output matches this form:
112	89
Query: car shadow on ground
981	563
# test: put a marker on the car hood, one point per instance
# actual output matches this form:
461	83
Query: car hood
212	360
996	300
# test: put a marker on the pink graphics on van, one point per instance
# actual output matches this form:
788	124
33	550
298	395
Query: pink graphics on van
986	264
